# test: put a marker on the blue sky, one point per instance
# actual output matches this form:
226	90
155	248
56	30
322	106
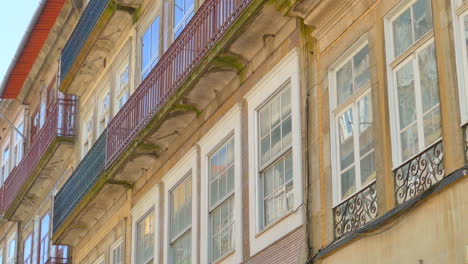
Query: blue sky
15	16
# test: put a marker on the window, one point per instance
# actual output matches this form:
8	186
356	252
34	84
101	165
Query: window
352	123
275	157
460	15
413	88
44	239
221	177
275	167
87	133
181	222
104	111
150	48
122	91
18	145
117	253
11	256
145	240
27	254
183	12
61	252
6	163
1	256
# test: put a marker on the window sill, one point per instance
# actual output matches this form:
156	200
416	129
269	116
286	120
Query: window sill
224	257
277	221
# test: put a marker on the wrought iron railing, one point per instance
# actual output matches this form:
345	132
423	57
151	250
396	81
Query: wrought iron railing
356	211
83	178
58	261
419	173
85	26
204	30
60	123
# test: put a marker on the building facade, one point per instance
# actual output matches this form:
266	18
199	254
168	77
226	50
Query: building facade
237	131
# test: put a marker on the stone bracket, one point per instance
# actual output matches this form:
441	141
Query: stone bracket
145	148
187	108
232	61
125	184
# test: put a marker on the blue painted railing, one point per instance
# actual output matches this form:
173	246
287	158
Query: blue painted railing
85	176
85	26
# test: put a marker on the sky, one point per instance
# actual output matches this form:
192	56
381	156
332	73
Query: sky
15	16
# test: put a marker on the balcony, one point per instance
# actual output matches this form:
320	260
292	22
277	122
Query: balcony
26	183
419	173
94	36
85	176
58	261
356	211
203	63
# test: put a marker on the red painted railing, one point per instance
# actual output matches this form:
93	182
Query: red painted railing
60	123
207	26
58	261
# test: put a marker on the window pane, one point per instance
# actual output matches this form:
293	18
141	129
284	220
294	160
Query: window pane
178	12
145	239
278	186
345	123
154	41
145	49
428	78
366	136
406	95
222	172
367	168
465	22
221	232
402	32
344	83
361	68
181	211
181	249
432	130
422	18
348	183
409	142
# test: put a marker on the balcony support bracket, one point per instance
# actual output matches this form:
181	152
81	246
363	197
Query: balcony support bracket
231	61
125	184
132	10
187	108
148	148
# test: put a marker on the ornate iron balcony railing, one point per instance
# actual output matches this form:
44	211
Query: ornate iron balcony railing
356	211
83	29
61	118
419	173
204	30
83	178
58	261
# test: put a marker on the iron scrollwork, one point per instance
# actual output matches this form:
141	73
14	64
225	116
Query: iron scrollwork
419	173
356	211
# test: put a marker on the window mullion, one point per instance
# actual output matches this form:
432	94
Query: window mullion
419	109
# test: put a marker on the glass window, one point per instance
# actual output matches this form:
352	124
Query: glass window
104	112
415	82
11	256
122	92
117	254
18	148
150	48
352	111
275	156
183	12
6	163
44	239
221	177
461	27
1	257
145	240
87	134
181	223
27	254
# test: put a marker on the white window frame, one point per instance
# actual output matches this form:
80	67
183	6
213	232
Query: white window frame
228	127
121	92
6	163
18	144
150	202
184	167
118	243
336	109
152	60
393	65
286	71
185	18
460	10
12	259
104	114
87	137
